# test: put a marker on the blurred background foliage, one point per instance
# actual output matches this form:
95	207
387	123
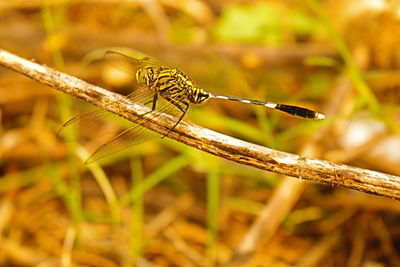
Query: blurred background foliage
164	204
263	23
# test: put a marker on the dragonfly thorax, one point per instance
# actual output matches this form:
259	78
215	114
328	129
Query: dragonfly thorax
171	83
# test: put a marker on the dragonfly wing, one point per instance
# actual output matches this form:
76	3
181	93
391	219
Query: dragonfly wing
130	64
130	137
100	123
135	135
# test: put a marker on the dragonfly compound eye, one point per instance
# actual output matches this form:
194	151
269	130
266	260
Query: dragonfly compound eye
142	77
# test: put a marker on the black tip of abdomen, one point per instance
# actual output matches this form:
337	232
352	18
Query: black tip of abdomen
298	111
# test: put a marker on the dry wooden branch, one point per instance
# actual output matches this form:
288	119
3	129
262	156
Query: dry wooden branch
212	142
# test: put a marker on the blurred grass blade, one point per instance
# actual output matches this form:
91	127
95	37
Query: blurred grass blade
104	184
213	197
136	238
156	177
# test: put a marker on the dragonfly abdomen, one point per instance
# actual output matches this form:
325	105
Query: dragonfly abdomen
198	95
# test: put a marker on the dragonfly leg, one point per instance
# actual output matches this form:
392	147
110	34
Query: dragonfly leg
153	100
153	107
183	106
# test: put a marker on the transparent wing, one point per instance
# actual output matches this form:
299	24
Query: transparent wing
87	124
100	123
130	64
134	135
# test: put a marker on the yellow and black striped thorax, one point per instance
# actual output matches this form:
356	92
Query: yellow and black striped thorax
170	83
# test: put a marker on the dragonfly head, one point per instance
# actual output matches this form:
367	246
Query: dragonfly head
144	76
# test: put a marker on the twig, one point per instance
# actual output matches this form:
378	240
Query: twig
212	142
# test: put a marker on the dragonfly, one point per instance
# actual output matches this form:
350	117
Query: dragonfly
161	88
